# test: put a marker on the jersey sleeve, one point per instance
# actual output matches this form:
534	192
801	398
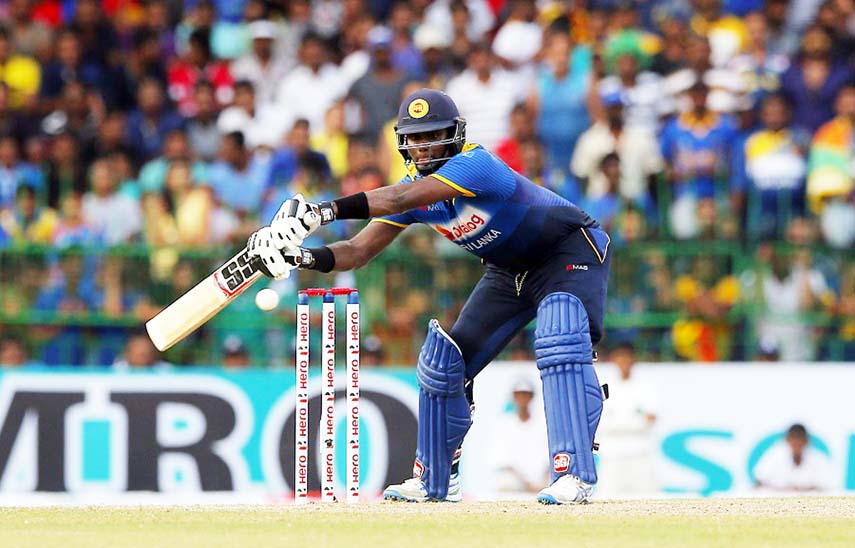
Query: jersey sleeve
401	220
476	172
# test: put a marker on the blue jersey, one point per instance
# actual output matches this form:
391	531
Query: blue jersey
697	148
502	217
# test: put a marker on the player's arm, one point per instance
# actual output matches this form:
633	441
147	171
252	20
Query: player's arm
374	238
400	198
371	240
368	242
297	218
388	200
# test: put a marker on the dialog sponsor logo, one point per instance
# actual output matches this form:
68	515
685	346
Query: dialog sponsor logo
469	222
459	229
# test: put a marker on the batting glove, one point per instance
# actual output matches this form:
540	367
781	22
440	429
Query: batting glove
296	220
277	263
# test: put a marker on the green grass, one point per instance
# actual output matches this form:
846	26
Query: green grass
745	522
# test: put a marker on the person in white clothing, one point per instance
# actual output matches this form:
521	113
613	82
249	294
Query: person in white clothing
793	465
262	124
485	96
788	289
519	457
481	17
626	446
260	66
645	102
117	217
311	88
640	157
519	39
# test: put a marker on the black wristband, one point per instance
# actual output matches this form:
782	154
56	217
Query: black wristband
327	213
354	206
321	259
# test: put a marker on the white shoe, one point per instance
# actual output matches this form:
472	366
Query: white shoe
413	490
454	494
567	489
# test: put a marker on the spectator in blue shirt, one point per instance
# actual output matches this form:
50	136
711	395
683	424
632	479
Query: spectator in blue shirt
535	169
151	122
297	168
176	147
834	17
405	55
15	173
70	290
287	160
68	66
769	172
813	81
696	146
239	178
605	207
72	228
144	60
98	38
563	84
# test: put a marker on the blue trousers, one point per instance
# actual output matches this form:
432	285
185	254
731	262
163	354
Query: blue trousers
502	302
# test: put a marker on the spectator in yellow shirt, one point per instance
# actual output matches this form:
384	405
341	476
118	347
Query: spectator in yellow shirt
727	34
22	74
28	222
703	334
331	141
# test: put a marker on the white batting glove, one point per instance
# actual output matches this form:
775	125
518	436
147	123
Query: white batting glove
294	221
279	263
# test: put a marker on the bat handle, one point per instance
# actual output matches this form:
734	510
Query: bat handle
257	264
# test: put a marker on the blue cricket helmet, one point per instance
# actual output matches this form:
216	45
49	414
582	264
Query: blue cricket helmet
430	110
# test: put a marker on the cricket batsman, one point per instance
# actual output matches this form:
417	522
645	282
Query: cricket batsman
545	258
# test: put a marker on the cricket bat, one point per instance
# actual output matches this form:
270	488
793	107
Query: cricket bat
204	301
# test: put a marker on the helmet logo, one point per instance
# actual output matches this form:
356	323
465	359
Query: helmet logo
418	108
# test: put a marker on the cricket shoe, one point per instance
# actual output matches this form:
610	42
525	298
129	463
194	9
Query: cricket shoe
413	490
567	489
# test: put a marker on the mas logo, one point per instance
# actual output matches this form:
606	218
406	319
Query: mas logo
418	108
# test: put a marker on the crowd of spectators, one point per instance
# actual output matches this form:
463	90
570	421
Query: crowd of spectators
173	126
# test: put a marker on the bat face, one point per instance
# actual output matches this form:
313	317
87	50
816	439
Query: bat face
234	276
203	301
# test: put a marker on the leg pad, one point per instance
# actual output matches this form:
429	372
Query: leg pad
444	416
572	397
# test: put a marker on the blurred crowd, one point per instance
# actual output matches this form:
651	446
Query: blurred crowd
719	129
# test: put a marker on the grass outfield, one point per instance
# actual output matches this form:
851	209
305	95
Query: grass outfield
716	522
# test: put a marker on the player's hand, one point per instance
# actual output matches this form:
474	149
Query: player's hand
294	221
277	263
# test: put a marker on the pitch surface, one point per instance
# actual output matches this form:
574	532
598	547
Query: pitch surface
809	521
